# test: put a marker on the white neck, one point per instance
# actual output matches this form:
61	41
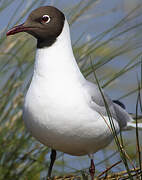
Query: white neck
58	59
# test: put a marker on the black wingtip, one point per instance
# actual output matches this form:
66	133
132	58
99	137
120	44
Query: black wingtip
119	103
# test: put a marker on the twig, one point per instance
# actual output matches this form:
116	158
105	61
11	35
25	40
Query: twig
109	168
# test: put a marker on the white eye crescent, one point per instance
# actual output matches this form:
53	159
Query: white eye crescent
45	19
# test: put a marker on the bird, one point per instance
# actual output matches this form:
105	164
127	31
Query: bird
62	109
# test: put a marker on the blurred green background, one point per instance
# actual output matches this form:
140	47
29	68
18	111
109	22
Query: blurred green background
108	32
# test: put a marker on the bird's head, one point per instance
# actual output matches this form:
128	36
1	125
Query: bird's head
44	23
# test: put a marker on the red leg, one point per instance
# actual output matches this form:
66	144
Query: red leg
92	169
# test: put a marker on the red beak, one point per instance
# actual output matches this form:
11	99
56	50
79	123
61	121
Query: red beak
17	29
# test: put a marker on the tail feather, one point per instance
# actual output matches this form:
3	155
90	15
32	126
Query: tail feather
132	125
128	121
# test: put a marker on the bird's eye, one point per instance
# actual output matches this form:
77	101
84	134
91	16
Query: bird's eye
45	19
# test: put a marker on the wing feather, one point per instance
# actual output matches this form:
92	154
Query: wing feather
117	112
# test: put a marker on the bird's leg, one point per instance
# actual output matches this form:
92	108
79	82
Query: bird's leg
92	167
52	160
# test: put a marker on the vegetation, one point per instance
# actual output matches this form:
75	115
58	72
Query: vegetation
21	156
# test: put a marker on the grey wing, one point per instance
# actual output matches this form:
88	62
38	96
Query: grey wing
117	112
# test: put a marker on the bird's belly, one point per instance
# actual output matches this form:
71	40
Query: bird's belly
77	136
75	128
